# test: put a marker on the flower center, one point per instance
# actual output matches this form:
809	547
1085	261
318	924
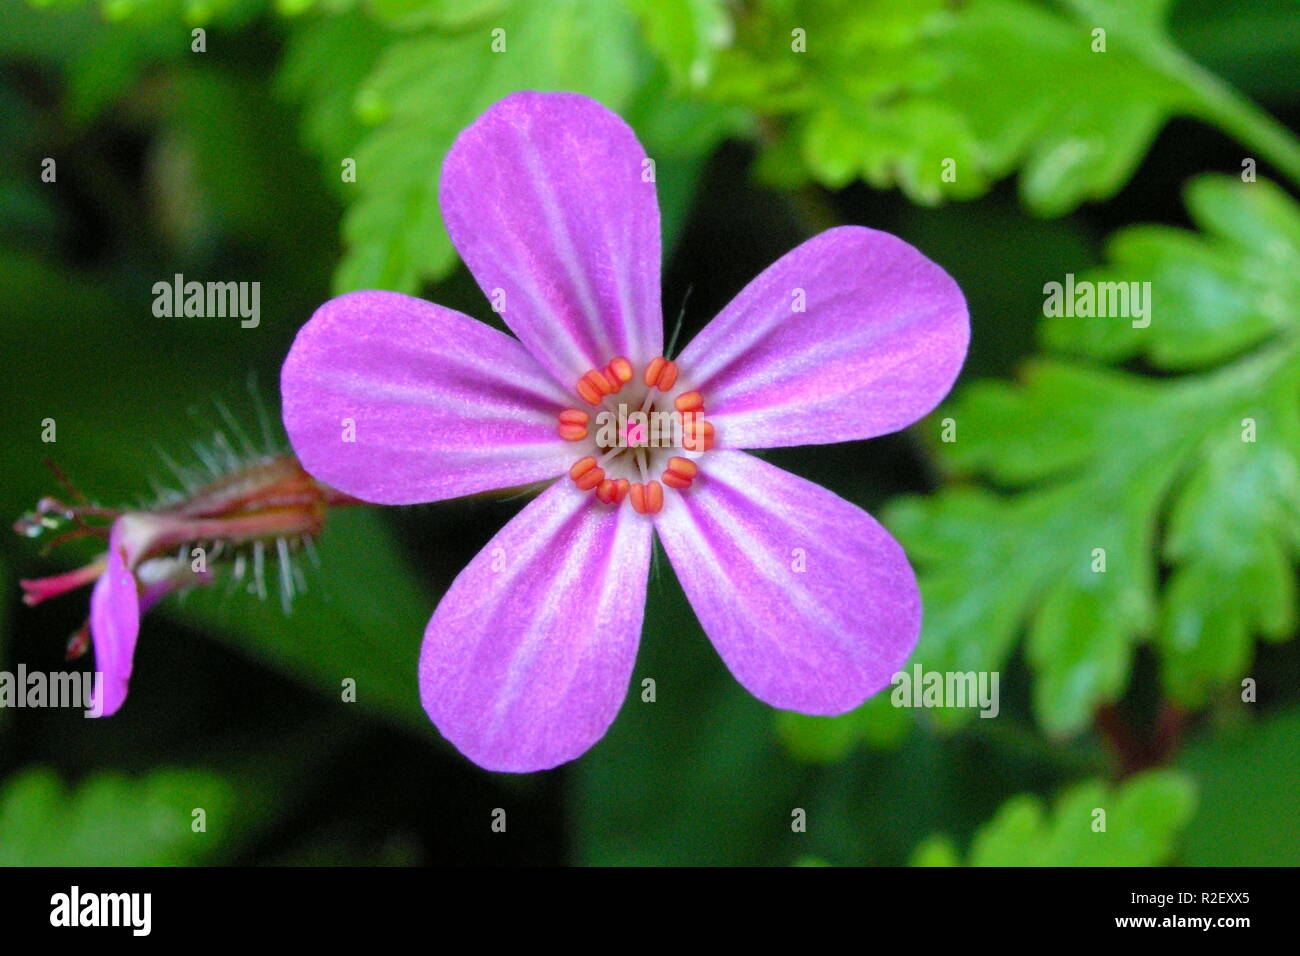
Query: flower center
642	433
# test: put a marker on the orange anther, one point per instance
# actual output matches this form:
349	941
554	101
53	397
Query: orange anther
620	490
591	478
605	490
620	369
691	424
697	434
683	467
647	499
581	467
574	416
654	497
689	402
600	383
674	480
588	392
571	432
667	376
653	369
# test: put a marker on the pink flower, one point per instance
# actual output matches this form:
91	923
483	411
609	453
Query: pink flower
126	586
270	501
528	657
116	607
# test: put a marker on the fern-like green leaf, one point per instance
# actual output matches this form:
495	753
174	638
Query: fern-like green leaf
1134	824
1095	477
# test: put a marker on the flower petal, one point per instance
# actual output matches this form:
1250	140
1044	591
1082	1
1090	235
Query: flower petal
544	196
809	601
528	656
881	338
114	626
396	400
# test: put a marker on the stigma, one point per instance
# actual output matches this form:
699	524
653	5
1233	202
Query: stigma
638	435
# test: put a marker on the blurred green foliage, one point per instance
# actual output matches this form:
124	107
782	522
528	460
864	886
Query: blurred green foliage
229	162
1247	775
888	92
110	820
1098	457
1136	826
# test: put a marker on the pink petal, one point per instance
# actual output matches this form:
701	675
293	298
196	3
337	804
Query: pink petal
441	405
820	640
545	199
882	337
114	626
528	657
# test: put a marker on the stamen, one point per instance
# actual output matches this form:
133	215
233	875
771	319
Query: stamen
631	455
648	498
573	424
653	369
684	467
581	467
680	473
661	374
597	383
586	474
697	434
605	491
690	402
591	479
619	370
612	491
588	392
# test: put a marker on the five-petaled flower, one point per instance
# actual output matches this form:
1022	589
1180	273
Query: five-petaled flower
810	602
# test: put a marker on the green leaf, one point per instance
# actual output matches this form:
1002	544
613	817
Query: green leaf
877	723
1226	288
1084	464
444	14
904	94
112	820
325	62
686	35
188	12
936	850
428	88
1140	824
